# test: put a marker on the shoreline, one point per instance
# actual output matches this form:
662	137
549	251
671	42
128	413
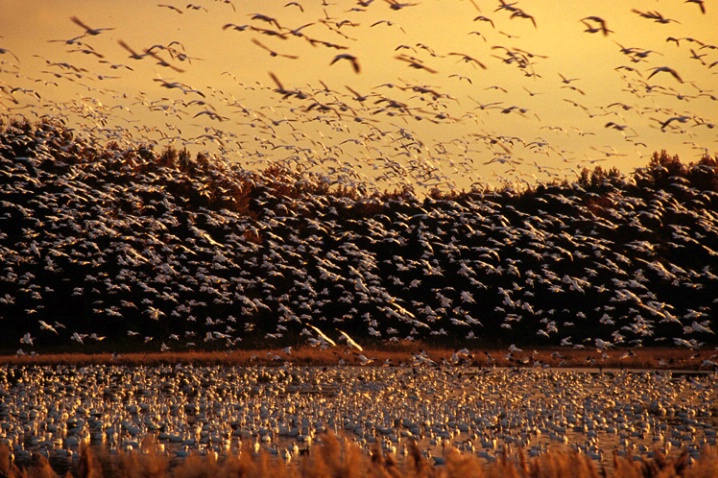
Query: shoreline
554	357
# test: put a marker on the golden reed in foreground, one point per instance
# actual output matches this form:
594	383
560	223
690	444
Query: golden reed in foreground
339	458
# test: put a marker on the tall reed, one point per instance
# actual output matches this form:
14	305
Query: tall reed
337	457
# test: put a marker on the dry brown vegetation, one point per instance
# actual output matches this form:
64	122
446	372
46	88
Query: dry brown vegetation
338	457
396	354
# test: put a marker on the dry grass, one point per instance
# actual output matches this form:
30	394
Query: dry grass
644	358
338	457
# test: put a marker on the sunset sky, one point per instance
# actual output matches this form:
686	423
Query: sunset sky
484	101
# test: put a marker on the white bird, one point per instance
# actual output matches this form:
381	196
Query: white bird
364	360
422	359
323	337
602	345
154	313
314	342
27	339
701	328
45	326
350	342
691	344
566	342
79	338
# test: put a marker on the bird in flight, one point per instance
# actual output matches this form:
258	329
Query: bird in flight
133	54
665	69
5	50
485	19
595	29
195	7
364	360
239	28
680	119
171	7
388	23
295	4
138	56
357	96
27	339
350	342
468	59
88	30
351	58
285	92
522	14
176	84
45	326
515	11
265	18
272	52
415	63
323	337
565	80
212	115
394	5
700	3
506	6
655	16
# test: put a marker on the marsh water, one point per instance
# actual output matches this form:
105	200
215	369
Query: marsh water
283	410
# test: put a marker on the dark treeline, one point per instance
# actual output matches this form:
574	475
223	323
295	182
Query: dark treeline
128	243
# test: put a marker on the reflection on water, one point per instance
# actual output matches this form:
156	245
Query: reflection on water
223	410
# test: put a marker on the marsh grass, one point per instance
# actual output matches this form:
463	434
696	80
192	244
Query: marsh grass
337	457
397	353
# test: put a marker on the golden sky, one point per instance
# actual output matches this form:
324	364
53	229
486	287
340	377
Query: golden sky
452	92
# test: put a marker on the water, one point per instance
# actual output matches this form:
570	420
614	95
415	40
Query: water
223	409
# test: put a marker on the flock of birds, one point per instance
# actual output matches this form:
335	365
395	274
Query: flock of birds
428	113
112	249
224	411
278	233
